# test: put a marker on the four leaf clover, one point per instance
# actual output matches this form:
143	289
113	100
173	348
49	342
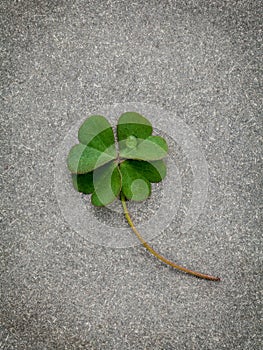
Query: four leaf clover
123	169
105	168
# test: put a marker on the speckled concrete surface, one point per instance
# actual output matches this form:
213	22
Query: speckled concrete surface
198	59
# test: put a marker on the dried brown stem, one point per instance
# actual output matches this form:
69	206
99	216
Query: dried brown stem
156	254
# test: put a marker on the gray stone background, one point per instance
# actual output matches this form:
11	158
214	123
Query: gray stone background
201	61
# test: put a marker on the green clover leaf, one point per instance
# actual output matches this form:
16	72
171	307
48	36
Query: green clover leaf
98	169
96	147
133	124
107	184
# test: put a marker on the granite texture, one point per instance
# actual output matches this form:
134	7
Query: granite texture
200	61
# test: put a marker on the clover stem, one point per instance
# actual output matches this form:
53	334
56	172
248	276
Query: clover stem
156	254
